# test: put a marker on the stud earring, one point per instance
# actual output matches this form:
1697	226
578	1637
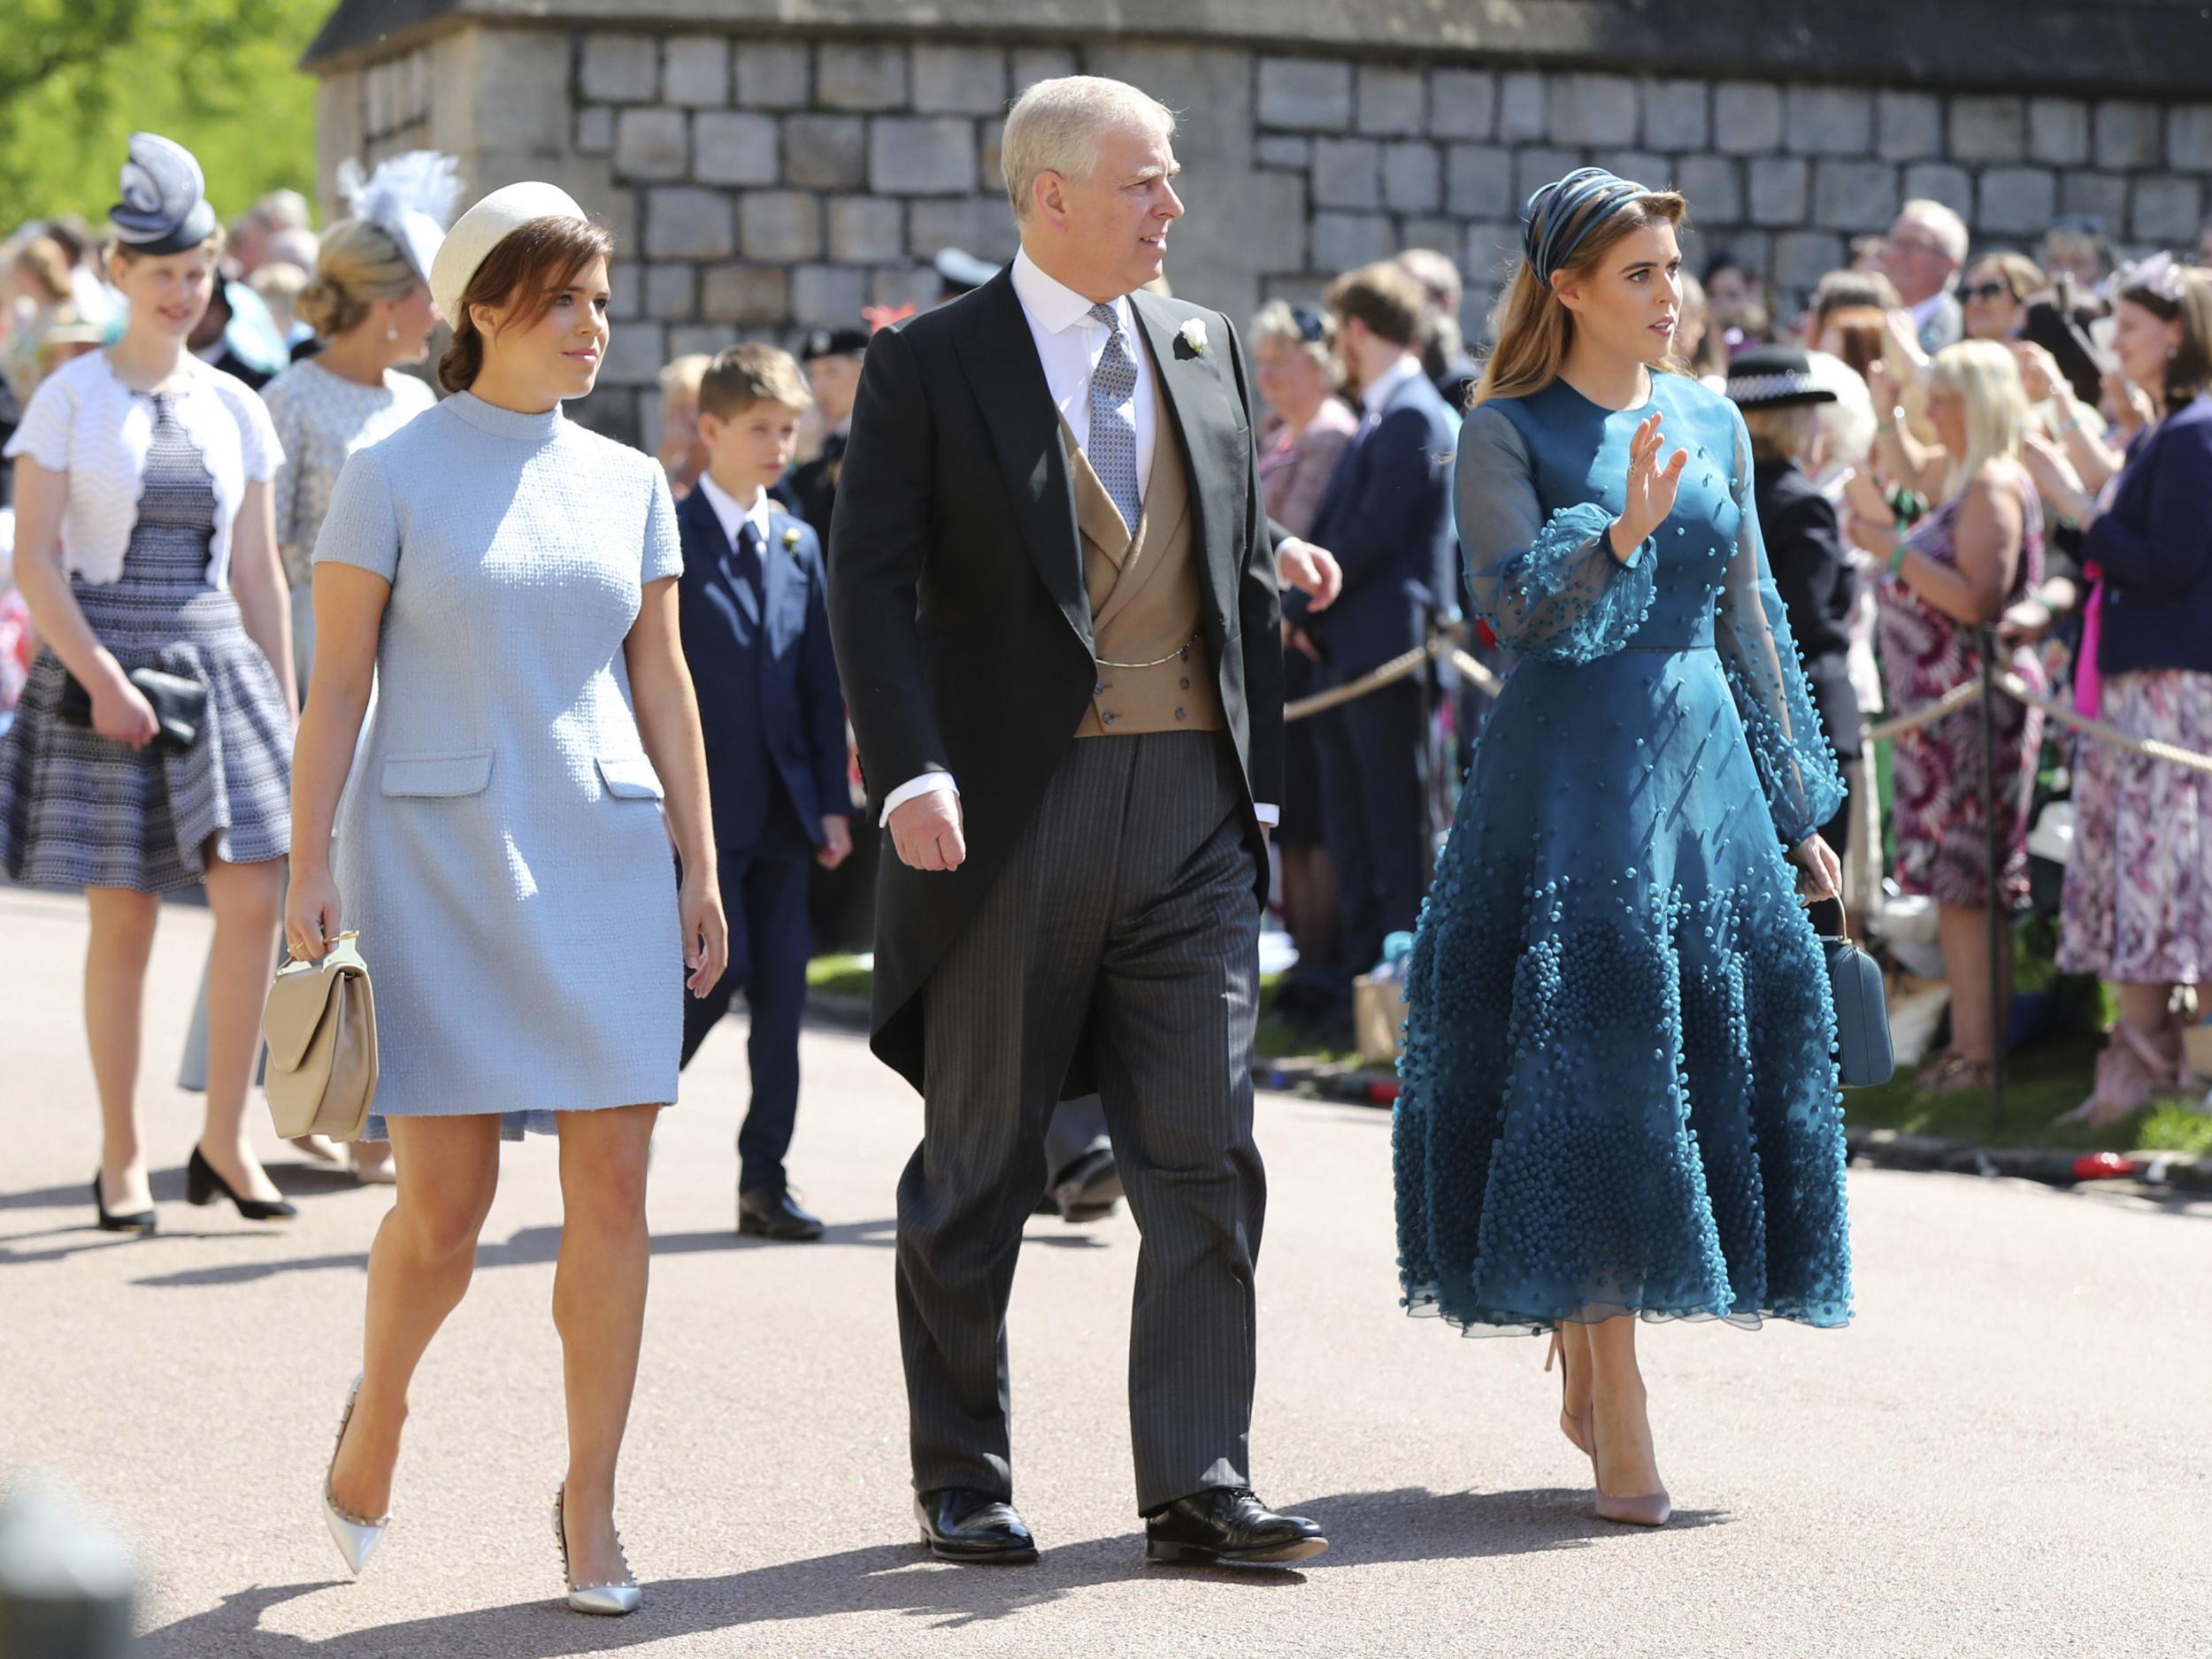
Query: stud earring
391	333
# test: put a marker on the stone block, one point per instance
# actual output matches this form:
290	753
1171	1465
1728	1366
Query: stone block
1521	104
1347	173
2127	133
508	92
614	412
2166	210
1781	191
2099	195
780	224
734	147
1270	223
1829	120
701	339
1939	181
652	143
1306	95
775	75
828	295
672	291
1746	118
2020	201
2189	137
1032	64
1854	195
1462	103
1715	187
1639	164
921	156
1494	248
1391	101
1538	166
1908	126
1753	249
1802	257
620	68
1479	181
959	80
595	130
1423	230
851	75
824	152
745	294
626	289
980	225
697	71
1676	116
1986	128
1593	111
1283	149
867	229
1344	241
683	222
635	352
2058	131
905	284
1411	177
990	154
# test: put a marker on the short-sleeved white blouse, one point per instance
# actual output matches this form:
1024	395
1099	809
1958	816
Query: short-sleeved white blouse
85	422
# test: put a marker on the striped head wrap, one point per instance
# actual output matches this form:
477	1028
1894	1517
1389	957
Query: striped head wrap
1559	217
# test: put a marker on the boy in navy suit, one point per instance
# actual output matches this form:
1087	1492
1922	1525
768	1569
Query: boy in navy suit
756	633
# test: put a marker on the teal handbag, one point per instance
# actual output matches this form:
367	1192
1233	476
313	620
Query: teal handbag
1863	1055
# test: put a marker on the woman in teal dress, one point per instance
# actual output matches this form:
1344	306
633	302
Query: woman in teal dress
1618	1093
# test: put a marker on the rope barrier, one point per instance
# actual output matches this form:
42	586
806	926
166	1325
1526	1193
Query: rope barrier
1960	695
2014	686
1396	669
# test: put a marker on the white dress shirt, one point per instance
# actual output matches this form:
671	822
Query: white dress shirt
1378	392
730	515
1070	341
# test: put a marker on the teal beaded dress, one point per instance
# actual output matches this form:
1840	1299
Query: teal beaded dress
1618	1093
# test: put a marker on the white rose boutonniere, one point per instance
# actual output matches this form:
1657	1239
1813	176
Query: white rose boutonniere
1194	335
791	538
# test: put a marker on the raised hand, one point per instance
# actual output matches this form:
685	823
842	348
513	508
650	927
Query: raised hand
1649	495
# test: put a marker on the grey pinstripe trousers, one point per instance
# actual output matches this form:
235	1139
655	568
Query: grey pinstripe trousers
1127	907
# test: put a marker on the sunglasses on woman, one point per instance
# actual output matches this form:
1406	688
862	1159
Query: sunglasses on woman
1988	291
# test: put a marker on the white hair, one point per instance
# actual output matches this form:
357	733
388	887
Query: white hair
1848	422
1943	223
1055	125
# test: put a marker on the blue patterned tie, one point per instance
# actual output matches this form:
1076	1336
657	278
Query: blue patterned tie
1112	451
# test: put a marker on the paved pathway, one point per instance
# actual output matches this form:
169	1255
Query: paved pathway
2006	1456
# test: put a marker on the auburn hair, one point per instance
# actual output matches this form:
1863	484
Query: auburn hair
532	266
1535	328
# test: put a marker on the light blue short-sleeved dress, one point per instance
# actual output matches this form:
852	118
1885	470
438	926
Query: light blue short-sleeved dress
1618	1095
500	845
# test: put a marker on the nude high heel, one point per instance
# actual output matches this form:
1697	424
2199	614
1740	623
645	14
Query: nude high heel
1651	1509
1579	1430
357	1538
610	1601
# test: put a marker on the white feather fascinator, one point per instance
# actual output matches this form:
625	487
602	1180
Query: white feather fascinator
409	197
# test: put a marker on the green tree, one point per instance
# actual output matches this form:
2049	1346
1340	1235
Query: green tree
221	77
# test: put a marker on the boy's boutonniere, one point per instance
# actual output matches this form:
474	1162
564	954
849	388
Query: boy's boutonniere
1193	335
791	538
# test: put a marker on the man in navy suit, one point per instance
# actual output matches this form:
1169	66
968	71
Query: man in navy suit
756	633
1386	516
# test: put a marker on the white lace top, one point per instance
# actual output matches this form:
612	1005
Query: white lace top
321	419
85	422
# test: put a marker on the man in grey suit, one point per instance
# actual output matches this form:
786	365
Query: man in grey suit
1922	256
1053	595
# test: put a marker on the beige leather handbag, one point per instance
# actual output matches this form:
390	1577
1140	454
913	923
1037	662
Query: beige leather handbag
320	1024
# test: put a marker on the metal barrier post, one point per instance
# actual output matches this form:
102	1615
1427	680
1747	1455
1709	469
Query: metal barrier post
2000	1004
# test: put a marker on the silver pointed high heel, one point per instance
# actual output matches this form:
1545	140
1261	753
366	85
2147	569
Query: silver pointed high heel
357	1538
610	1601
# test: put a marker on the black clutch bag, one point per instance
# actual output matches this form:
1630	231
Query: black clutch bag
179	705
1863	1056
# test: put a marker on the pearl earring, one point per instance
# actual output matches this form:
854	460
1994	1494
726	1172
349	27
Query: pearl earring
391	333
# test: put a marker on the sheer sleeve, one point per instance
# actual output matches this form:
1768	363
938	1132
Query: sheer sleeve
1547	587
1751	632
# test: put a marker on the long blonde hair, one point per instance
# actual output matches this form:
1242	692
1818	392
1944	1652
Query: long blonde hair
1986	382
1536	329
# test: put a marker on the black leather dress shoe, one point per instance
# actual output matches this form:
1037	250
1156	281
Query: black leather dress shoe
769	1212
1088	1190
1228	1526
960	1524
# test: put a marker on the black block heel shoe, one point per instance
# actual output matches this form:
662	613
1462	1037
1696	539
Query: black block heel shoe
139	1221
202	1183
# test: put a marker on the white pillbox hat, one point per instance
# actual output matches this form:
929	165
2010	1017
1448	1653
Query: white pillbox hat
482	228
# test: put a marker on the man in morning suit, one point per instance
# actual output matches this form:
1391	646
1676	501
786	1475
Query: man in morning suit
1386	516
1054	598
755	633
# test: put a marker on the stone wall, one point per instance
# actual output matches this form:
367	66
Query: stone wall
758	184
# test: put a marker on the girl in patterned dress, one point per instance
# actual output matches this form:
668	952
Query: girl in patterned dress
145	540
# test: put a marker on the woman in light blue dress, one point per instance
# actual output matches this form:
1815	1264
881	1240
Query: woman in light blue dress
503	847
1618	1098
